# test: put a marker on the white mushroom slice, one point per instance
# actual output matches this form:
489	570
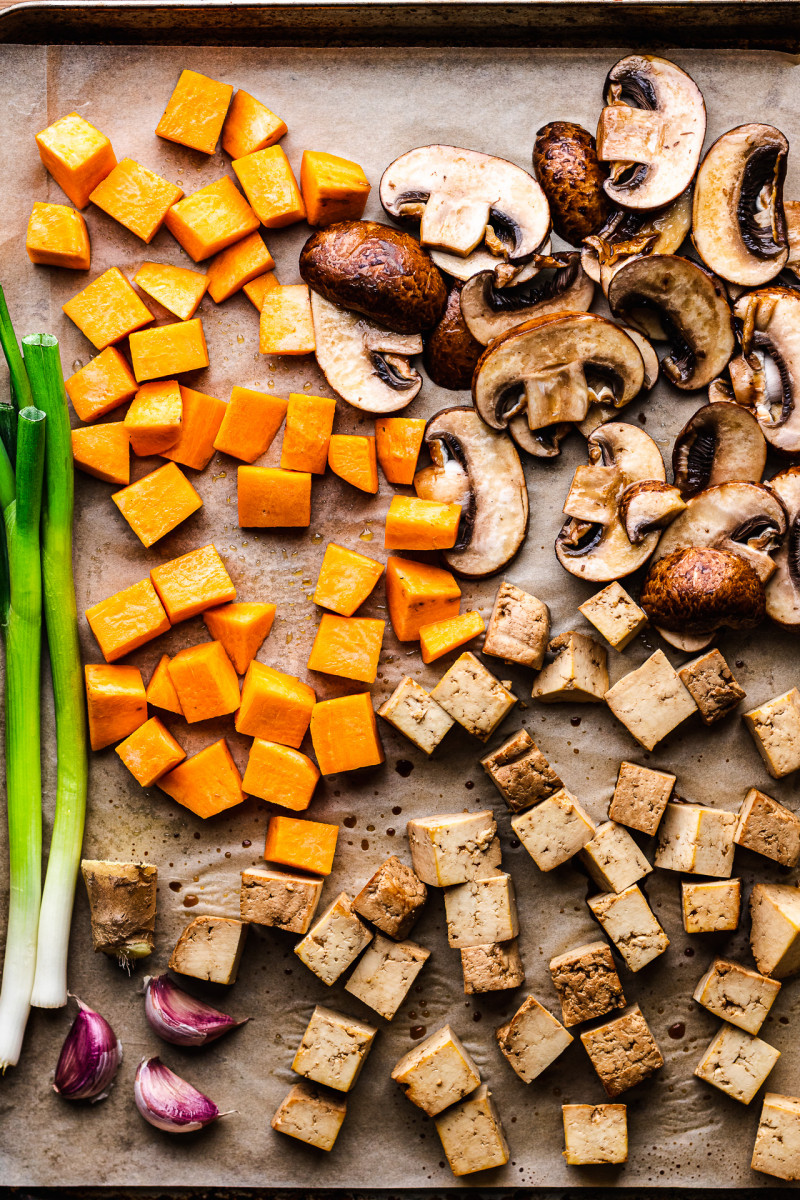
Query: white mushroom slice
783	589
720	443
652	366
766	376
505	273
626	234
490	311
539	443
649	505
447	484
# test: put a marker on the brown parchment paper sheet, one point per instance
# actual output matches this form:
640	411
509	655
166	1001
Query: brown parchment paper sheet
369	104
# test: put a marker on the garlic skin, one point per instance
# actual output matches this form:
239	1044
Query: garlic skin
181	1019
169	1102
89	1058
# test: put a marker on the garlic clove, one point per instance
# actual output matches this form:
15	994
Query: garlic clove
89	1058
169	1102
180	1018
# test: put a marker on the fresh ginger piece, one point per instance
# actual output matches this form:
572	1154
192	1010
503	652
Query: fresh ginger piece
275	707
190	584
241	628
344	734
257	289
122	907
270	498
103	451
280	775
136	198
353	459
286	326
418	594
102	385
177	289
414	524
309	421
250	126
77	155
202	417
249	424
270	186
211	219
195	113
348	646
127	620
150	751
207	783
57	237
334	189
161	690
205	681
168	350
108	309
115	702
440	637
398	441
304	845
153	420
210	948
231	269
345	579
157	503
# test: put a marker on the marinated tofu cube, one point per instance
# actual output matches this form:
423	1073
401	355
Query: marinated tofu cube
521	773
775	727
554	830
737	1063
777	1148
696	839
481	911
628	920
385	972
334	1049
587	983
210	948
437	1072
640	797
416	715
651	701
769	828
496	967
280	899
518	629
334	941
595	1134
472	1136
775	928
579	671
736	994
623	1051
473	697
532	1040
711	685
311	1115
392	899
454	848
613	859
711	907
614	615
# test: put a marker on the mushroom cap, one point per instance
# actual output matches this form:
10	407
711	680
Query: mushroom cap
490	311
451	352
766	377
699	590
566	164
627	233
720	443
783	589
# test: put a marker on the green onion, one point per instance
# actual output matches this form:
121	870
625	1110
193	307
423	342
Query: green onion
20	387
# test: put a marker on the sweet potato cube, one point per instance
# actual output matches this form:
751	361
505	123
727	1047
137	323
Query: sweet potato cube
77	155
211	219
161	690
257	289
196	111
108	309
102	385
250	126
136	198
115	702
270	186
150	751
157	503
202	417
304	845
309	421
270	498
348	646
127	620
280	775
207	783
286	326
275	707
190	584
241	628
57	237
168	350
103	451
334	189
175	288
345	579
353	459
205	681
398	441
153	421
440	637
231	269
249	424
418	594
414	524
344	734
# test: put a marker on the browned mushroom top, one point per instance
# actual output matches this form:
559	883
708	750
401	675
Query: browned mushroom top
701	589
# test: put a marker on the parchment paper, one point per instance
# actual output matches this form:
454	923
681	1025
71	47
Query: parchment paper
370	105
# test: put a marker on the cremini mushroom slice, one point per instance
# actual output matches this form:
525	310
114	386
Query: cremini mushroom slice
566	164
489	311
668	297
766	376
720	443
451	352
651	131
494	515
791	215
692	593
783	589
626	234
649	505
738	223
539	443
364	363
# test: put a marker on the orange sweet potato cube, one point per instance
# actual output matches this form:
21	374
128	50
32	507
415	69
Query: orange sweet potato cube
157	503
249	424
161	690
102	385
115	703
77	155
280	775
175	288
275	707
398	443
190	584
202	417
196	111
205	681
168	350
210	219
414	524
241	628
270	498
103	451
108	309
231	269
352	458
334	189
153	421
440	637
305	845
417	594
150	751
257	288
127	620
286	326
345	579
250	126
207	783
309	421
348	646
344	734
57	237
270	186
136	198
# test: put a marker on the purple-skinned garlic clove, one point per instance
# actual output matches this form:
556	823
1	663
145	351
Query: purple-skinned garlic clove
89	1058
180	1018
169	1102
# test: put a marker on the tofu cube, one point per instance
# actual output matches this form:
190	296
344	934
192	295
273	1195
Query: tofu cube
334	1049
334	941
736	994
554	830
392	899
385	972
640	797
521	773
628	920
737	1063
775	928
651	701
709	681
472	696
623	1052
777	1148
775	726
613	859
311	1115
472	1136
210	948
437	1072
696	839
518	629
454	847
416	715
711	907
769	828
579	671
595	1134
481	911
614	615
280	899
496	967
587	983
532	1040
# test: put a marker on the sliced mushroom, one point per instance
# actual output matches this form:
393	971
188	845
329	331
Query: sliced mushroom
566	164
665	296
506	274
791	215
783	589
720	443
649	505
738	224
539	443
626	234
490	311
651	131
447	484
695	592
451	352
766	377
364	363
494	517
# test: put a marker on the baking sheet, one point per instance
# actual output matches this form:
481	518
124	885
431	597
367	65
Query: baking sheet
368	104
